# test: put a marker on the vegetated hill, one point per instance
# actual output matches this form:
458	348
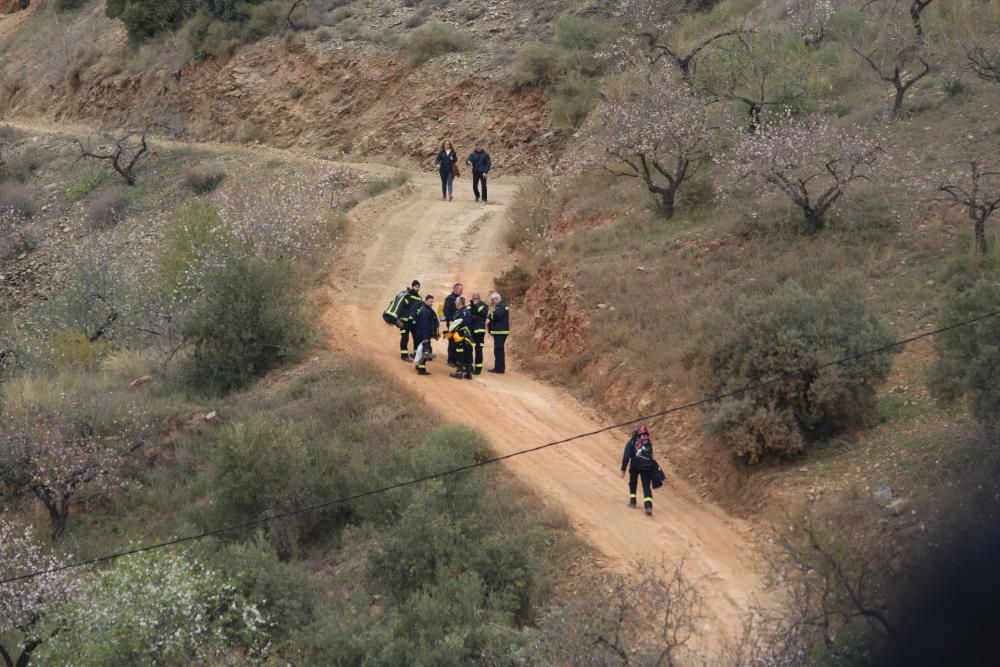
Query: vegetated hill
640	310
347	78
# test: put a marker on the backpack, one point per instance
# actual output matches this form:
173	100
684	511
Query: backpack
392	314
643	453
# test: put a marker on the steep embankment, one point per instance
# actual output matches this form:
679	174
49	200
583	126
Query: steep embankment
295	91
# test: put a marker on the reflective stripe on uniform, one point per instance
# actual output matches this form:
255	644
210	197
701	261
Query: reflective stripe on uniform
647	500
500	333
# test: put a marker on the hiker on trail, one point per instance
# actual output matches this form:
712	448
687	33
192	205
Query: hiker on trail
400	313
499	328
638	458
480	161
447	164
425	329
461	332
449	314
480	313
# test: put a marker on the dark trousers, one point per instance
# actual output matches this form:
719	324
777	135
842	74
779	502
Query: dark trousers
647	487
499	355
477	179
463	356
478	341
404	343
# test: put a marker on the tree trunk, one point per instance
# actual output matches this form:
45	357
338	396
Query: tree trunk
897	104
6	657
667	197
980	234
814	221
58	511
754	112
30	646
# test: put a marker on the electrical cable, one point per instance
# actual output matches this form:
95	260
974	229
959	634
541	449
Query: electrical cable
479	464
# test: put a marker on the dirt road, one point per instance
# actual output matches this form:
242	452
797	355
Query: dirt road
413	234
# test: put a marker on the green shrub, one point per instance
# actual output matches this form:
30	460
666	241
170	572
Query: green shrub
106	208
87	184
529	215
572	101
22	167
968	358
248	321
69	5
192	237
513	283
764	337
382	185
536	65
579	34
146	18
263	467
435	39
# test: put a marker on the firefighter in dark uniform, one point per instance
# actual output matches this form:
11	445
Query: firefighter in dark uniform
461	332
424	330
480	314
638	458
406	313
499	328
449	314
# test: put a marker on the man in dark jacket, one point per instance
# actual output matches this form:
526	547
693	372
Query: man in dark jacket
449	314
480	313
461	332
638	458
425	329
499	328
402	311
480	161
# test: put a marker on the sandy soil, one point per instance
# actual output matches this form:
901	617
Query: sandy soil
413	234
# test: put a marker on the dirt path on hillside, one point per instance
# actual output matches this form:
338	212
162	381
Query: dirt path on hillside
413	234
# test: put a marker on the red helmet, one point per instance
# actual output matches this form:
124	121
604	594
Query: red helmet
642	430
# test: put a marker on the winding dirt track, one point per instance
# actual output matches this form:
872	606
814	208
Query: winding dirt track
413	234
410	233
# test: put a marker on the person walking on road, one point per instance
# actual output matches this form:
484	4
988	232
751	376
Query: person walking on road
461	332
480	313
638	458
480	161
499	328
447	164
449	314
424	330
401	312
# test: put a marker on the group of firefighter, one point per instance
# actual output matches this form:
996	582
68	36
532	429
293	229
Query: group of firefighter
466	325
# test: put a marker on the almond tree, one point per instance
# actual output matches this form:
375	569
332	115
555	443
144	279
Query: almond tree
812	161
127	151
984	61
25	604
55	453
654	23
890	51
655	130
974	186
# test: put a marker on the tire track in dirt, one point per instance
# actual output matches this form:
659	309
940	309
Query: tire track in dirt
413	234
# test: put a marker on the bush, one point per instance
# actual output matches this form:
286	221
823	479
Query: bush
191	239
968	358
87	184
69	5
201	180
529	215
435	39
536	65
22	167
106	208
14	200
161	607
764	337
513	283
382	185
248	321
572	101
146	18
262	467
578	34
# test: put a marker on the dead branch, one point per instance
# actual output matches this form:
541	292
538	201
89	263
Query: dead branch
127	151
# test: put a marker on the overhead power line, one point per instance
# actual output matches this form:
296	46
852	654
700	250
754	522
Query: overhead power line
479	464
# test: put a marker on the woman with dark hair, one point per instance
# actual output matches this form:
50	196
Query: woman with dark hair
447	163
